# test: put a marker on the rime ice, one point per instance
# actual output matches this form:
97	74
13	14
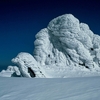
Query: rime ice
66	48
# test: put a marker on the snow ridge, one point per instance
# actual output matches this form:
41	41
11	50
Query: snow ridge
66	48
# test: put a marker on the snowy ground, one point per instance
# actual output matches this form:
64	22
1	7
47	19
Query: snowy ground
86	88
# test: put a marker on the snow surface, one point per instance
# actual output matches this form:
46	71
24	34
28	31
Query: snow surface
66	48
50	89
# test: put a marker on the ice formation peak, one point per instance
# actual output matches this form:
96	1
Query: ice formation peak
62	49
67	41
67	21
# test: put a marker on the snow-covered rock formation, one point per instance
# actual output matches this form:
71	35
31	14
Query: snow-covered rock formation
28	66
66	48
12	71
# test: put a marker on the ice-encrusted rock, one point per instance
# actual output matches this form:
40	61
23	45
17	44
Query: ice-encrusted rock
64	35
66	48
67	42
12	71
28	66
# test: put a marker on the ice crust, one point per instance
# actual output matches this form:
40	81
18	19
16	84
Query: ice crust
66	48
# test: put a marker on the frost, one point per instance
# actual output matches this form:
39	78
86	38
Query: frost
28	66
63	49
12	71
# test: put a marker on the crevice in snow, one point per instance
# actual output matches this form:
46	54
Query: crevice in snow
83	64
15	75
31	72
92	49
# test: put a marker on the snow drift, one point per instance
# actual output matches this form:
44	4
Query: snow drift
50	89
66	48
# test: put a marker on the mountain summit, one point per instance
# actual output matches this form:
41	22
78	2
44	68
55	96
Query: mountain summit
66	48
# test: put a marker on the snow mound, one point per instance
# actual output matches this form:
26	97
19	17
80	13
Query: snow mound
66	48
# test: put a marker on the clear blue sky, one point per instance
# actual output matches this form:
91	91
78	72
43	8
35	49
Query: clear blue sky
20	20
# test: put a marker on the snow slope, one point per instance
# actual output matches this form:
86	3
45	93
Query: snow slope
87	88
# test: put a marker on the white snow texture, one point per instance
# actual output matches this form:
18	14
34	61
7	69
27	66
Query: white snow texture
87	88
66	48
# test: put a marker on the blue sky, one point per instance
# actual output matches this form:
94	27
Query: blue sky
20	20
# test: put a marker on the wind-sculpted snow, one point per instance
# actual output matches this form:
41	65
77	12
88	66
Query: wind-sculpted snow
12	71
28	65
87	88
66	48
